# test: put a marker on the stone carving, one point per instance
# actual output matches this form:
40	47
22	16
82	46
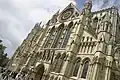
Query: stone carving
95	59
52	78
53	19
66	14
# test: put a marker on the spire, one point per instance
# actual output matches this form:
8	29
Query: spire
88	5
57	13
87	8
37	25
40	23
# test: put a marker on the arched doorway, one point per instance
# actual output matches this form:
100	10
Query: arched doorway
39	72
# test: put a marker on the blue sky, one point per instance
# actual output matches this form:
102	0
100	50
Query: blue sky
80	3
18	17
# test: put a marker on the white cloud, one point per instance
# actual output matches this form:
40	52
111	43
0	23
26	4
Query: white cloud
18	17
101	4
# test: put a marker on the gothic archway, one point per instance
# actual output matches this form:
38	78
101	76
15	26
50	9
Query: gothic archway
39	72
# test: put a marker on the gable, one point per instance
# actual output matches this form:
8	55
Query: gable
88	37
69	13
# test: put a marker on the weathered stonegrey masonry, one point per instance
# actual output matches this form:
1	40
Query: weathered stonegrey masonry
72	45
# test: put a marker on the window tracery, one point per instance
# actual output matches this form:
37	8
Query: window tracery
50	38
56	61
67	35
57	41
76	68
85	69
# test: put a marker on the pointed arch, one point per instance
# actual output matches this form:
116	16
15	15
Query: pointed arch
67	34
102	37
86	62
56	60
86	59
63	55
95	19
61	62
50	38
58	56
76	66
57	43
40	70
95	23
70	24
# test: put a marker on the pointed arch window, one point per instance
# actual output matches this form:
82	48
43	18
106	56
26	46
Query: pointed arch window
56	42
67	35
56	61
66	38
85	69
50	38
61	62
95	22
76	68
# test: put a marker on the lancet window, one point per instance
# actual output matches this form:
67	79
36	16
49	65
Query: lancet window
85	69
76	67
67	35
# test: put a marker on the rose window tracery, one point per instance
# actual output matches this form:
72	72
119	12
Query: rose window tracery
66	14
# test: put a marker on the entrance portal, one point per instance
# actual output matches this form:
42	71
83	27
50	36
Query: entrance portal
40	71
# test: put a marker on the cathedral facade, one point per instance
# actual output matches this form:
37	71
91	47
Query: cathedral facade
72	45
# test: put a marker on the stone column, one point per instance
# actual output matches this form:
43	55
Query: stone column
108	74
63	69
72	47
95	72
89	71
80	71
108	70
